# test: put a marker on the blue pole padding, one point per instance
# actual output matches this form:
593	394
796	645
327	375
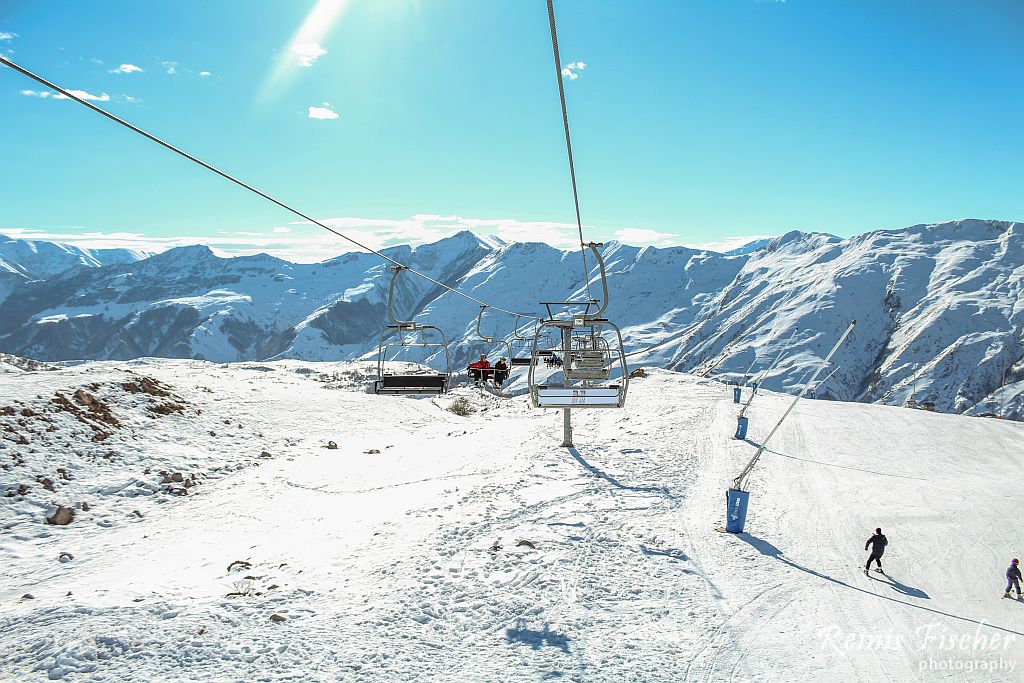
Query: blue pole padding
753	388
741	428
736	510
735	394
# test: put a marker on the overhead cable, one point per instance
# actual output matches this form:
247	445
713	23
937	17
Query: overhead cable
71	96
568	144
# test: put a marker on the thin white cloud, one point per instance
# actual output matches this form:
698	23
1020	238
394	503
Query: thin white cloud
170	67
127	69
645	236
572	70
303	242
102	97
204	73
7	36
306	54
306	243
324	112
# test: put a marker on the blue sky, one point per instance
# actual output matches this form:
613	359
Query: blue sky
701	122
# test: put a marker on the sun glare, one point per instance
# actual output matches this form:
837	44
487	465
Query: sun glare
306	45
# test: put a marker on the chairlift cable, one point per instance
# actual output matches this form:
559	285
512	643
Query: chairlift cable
568	144
176	150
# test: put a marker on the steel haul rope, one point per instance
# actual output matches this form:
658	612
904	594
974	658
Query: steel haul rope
568	143
136	129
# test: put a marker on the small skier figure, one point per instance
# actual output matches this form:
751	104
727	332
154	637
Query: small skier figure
877	543
1013	578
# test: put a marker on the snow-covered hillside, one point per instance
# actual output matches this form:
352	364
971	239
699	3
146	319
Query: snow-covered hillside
22	259
940	318
217	536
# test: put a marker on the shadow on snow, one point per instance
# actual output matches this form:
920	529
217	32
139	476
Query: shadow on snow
660	490
769	550
536	639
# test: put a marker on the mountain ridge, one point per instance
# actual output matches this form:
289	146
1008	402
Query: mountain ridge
938	307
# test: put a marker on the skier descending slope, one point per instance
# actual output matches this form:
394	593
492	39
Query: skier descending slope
877	543
1013	578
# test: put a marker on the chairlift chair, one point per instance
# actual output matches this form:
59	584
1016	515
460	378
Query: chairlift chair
409	384
525	341
589	358
489	373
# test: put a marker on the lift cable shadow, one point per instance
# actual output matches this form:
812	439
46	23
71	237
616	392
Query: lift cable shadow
597	472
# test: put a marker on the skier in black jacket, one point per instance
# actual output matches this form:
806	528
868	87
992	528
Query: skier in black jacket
877	543
1013	578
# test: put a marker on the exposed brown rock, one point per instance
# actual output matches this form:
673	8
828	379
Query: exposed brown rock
62	517
146	385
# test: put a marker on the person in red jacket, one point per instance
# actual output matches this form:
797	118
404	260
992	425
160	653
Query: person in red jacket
478	370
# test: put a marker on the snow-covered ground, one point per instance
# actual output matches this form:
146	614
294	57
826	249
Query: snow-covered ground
434	546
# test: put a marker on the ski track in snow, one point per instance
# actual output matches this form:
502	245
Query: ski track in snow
406	563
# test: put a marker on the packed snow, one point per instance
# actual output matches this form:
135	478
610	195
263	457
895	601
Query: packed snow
218	535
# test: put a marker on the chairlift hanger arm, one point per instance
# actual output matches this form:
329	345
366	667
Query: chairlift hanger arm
479	333
604	277
391	297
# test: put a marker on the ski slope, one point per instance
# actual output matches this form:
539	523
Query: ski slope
398	555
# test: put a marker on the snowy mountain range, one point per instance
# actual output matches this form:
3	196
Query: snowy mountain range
24	260
938	307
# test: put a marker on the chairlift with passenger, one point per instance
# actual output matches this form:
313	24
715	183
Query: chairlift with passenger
489	372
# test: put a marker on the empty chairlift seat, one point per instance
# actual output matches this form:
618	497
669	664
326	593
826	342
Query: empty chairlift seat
589	364
394	336
592	349
578	397
411	384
